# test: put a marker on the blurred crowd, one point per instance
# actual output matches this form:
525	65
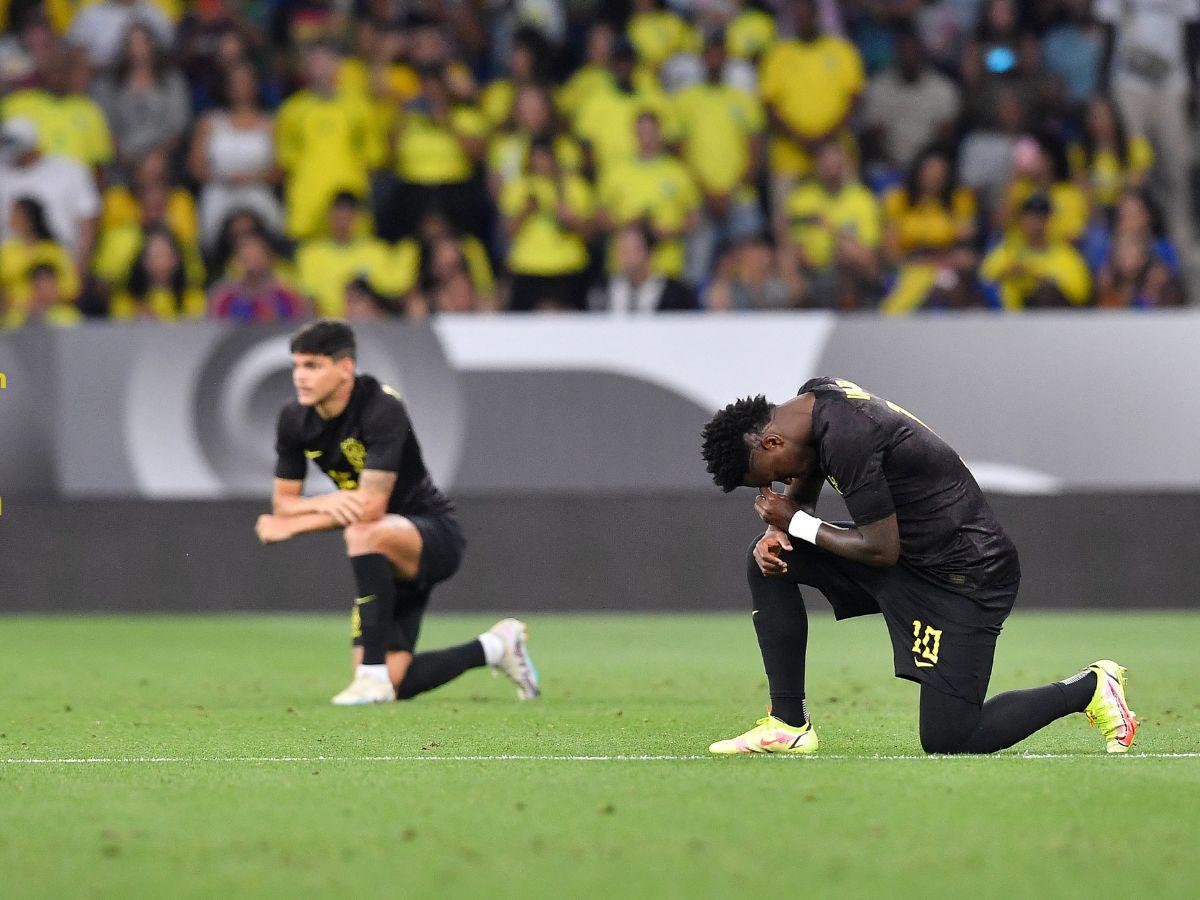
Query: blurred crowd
275	159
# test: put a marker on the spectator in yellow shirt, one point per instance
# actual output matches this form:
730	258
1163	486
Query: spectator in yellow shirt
653	189
47	305
527	68
810	86
326	265
1040	167
440	141
1107	161
533	118
547	217
29	246
69	122
158	286
658	33
119	246
378	75
606	125
930	234
324	144
593	76
834	232
722	127
750	32
1032	268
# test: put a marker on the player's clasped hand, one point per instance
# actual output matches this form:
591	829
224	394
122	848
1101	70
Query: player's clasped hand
345	507
767	550
775	509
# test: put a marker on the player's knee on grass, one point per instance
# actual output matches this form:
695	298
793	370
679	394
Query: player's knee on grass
947	722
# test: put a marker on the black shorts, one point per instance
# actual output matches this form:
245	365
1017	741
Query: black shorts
442	546
940	637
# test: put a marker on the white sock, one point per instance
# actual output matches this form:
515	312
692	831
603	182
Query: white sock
378	671
493	648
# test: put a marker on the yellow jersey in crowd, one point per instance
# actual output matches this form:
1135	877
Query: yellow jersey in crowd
812	86
542	246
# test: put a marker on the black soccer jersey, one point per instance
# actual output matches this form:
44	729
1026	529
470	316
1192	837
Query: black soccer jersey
373	432
882	460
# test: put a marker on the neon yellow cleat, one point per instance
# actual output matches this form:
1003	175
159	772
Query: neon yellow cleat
770	735
1108	709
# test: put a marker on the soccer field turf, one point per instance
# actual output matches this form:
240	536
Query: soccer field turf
224	771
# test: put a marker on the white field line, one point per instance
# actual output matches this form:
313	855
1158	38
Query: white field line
150	760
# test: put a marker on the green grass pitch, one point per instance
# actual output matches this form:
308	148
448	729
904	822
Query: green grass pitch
211	731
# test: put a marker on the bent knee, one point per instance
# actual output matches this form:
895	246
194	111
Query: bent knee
752	568
361	537
941	747
945	742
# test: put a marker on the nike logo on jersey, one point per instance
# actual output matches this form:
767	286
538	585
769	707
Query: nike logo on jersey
922	665
312	454
359	601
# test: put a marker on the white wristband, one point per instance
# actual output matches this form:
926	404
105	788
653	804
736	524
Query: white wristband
804	527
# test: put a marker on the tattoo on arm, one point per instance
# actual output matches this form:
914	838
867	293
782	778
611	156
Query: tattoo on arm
375	487
373	481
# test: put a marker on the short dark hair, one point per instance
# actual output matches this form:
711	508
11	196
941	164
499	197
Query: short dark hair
726	450
325	337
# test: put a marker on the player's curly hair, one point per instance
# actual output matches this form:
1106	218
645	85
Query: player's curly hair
726	450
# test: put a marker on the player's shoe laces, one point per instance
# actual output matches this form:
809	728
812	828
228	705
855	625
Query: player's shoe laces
1108	710
770	735
367	687
516	662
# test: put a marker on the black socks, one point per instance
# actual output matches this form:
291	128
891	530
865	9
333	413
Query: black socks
781	622
374	606
953	725
1079	690
433	668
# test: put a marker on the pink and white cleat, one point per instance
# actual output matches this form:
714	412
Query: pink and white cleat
770	735
516	662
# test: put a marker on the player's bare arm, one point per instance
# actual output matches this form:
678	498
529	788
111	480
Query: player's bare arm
343	507
876	544
374	489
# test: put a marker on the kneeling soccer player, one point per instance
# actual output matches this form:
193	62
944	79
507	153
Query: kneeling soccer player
401	534
925	550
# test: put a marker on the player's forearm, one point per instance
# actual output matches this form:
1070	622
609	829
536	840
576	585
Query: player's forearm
311	521
851	544
294	506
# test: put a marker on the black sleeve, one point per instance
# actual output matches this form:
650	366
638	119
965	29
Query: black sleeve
385	431
852	455
290	462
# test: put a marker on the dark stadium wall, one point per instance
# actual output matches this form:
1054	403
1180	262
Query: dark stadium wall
526	553
133	460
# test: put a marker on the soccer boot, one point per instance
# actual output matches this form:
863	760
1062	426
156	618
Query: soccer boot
515	662
367	687
770	735
1108	710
